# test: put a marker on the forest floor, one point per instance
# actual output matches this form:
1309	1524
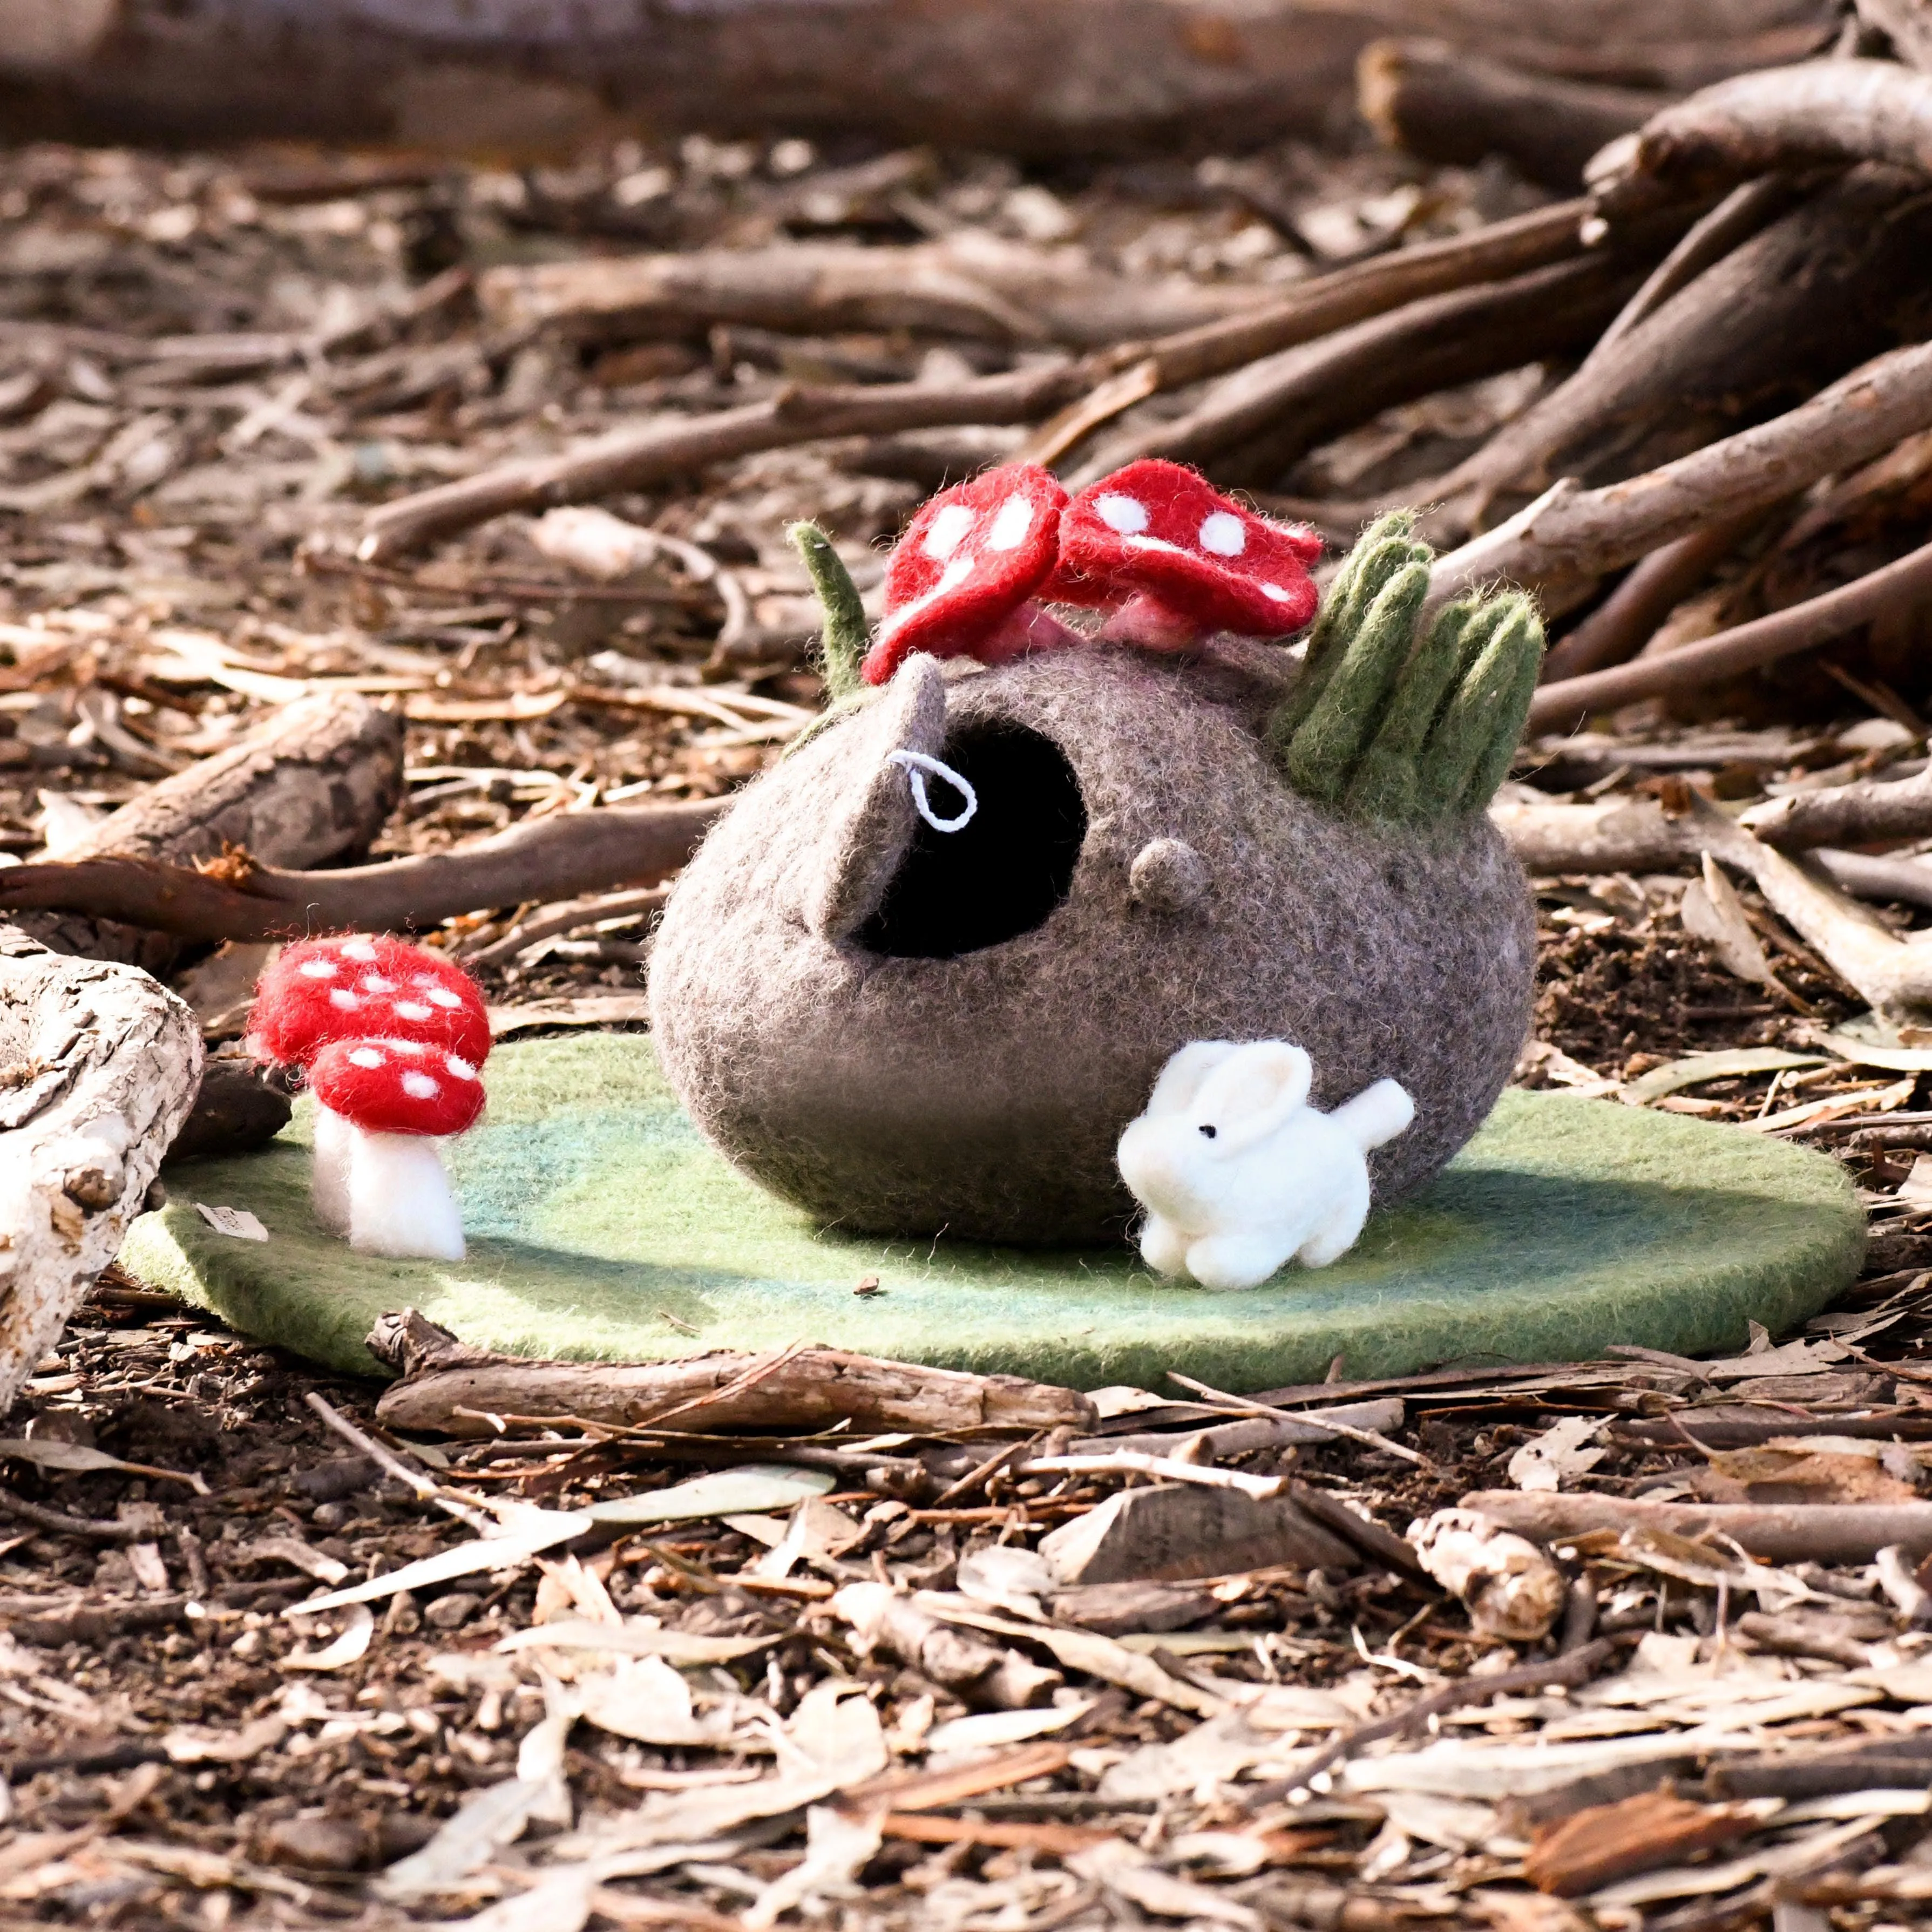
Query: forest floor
178	1750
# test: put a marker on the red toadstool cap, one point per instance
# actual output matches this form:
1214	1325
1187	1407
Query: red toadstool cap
360	986
968	562
1161	529
397	1086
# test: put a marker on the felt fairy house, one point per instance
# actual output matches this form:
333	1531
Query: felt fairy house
1075	806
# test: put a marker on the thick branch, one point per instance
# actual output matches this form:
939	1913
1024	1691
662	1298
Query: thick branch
1821	113
1778	1532
1859	814
1447	103
550	859
1569	536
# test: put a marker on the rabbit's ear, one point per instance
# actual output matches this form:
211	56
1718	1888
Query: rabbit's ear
1179	1082
1252	1092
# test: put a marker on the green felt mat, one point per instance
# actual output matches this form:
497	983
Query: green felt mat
601	1225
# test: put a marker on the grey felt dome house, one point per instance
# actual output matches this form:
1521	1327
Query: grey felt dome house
907	1030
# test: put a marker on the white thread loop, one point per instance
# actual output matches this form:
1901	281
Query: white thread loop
916	764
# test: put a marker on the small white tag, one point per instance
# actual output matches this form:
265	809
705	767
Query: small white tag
236	1221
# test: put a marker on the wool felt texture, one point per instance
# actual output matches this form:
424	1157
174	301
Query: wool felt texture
1392	729
967	562
397	1086
365	986
843	636
965	1057
1162	528
595	1210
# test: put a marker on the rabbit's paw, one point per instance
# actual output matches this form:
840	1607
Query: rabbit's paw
1236	1260
1163	1246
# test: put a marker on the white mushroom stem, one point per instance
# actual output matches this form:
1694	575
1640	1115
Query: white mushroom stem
400	1201
330	1179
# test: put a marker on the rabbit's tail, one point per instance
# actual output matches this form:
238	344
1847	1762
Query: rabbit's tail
1375	1115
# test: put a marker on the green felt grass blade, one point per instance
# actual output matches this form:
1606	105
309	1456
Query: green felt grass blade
1469	755
1328	744
1387	784
1384	549
844	635
603	1227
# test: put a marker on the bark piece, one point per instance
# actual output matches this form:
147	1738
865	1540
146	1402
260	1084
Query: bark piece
1909	24
1778	1532
1448	104
967	1665
313	782
235	1111
1113	1610
1512	1589
98	1066
1593	1848
1180	1531
723	1391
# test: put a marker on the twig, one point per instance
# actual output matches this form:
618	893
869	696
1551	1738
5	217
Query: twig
560	919
1134	1462
43	1518
1575	1667
974	1477
1858	813
457	1503
1368	1436
570	852
1898	587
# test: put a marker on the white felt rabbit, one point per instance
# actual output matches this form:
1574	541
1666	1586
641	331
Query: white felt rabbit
1239	1174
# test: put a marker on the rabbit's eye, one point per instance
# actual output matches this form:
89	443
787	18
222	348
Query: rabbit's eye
1208	1130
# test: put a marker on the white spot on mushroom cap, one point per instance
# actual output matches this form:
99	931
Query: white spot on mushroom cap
420	1087
318	969
1275	591
1126	514
460	1069
374	982
443	997
413	1010
1221	534
1014	519
342	997
955	574
1155	543
360	950
370	1057
947	531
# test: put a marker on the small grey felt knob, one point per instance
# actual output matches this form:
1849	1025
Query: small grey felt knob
1168	875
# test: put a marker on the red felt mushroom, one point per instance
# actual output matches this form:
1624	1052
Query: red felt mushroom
959	582
359	986
396	1099
1173	560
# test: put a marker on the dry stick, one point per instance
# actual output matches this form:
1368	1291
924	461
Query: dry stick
1729	225
1775	1532
634	458
458	1503
1292	400
1824	113
1617	627
43	1518
1900	586
565	919
1857	814
1571	534
1575	1667
572	852
1222	1399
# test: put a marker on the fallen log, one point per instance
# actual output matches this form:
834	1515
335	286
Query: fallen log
1451	104
543	859
451	1389
98	1068
313	783
1000	75
1777	1532
1824	113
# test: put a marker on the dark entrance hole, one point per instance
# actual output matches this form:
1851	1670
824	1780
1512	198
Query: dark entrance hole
1002	874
